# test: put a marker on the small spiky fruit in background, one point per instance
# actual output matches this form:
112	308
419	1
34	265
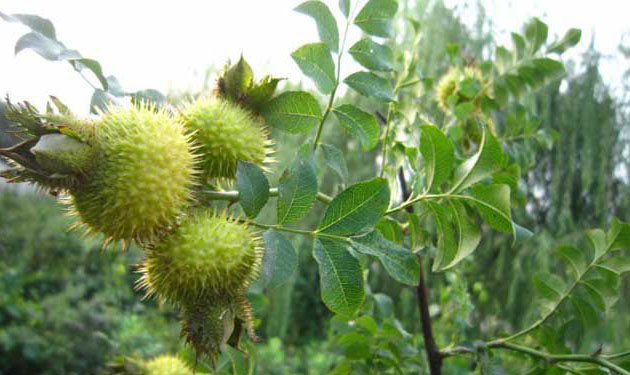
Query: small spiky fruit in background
450	86
142	176
161	365
225	134
166	365
205	266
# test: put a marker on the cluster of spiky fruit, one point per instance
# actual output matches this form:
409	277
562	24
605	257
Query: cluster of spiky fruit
133	174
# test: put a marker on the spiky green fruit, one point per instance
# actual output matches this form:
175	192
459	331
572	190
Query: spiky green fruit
142	175
205	266
208	255
449	86
225	134
166	365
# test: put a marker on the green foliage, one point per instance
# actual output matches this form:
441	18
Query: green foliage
370	85
280	260
594	285
326	24
359	124
253	188
438	153
66	306
399	262
293	112
340	277
373	56
316	62
297	190
358	207
375	18
335	160
42	39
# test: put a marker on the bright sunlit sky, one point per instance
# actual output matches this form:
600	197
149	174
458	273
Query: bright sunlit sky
169	44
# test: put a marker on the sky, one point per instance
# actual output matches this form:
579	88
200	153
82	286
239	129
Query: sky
168	45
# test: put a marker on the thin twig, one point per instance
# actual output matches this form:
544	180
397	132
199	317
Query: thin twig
234	196
281	228
331	100
559	358
433	352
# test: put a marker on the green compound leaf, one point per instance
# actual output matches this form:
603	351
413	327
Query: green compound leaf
293	112
536	33
253	188
458	236
375	18
341	278
573	257
280	260
355	346
35	23
359	124
519	45
548	69
297	190
595	277
390	229
439	156
335	160
488	160
570	39
493	203
372	55
400	263
358	207
549	286
370	85
326	24
316	62
49	49
93	66
619	236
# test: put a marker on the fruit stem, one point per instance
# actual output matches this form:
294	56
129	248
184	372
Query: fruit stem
299	231
334	90
234	196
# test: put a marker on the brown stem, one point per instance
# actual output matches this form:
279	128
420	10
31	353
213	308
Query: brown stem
433	352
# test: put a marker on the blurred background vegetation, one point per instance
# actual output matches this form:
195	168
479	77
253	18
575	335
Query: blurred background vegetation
66	307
